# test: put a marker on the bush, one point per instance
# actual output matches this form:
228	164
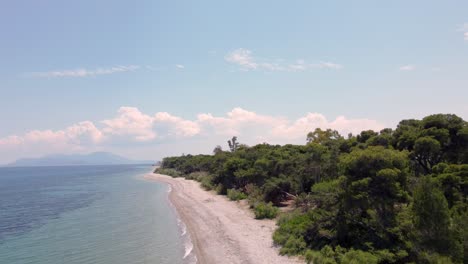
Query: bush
265	210
235	195
220	189
316	257
254	195
294	246
433	258
358	257
291	224
340	255
169	172
206	182
197	176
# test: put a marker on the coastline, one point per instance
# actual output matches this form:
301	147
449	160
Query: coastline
221	231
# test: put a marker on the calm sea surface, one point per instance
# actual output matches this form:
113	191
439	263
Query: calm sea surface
87	214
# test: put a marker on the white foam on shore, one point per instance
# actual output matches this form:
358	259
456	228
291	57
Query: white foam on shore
182	227
189	255
188	248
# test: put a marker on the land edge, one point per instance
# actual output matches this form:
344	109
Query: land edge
193	230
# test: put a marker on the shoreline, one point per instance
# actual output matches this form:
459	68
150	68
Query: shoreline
220	230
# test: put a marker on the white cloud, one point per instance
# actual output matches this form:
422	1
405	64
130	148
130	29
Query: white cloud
244	59
408	67
80	137
80	133
135	125
84	133
85	72
180	66
464	29
130	122
278	130
176	125
135	129
329	65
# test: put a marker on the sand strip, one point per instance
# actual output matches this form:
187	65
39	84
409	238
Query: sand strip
222	231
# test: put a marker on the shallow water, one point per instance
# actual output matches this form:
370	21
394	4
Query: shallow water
88	214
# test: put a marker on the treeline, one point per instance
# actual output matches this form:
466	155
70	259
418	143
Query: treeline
394	196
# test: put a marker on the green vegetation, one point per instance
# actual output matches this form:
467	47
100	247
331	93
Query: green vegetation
170	172
235	195
394	196
265	210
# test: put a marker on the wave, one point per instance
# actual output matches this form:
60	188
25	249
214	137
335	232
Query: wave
189	255
188	248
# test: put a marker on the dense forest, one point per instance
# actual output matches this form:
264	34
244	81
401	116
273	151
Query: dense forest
393	196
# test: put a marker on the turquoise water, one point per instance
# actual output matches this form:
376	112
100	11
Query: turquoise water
88	214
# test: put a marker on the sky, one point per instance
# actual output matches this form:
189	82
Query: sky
147	79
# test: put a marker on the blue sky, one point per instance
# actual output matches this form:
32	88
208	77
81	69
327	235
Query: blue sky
265	70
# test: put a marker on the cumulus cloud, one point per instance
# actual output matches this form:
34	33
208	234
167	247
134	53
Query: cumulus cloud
176	125
82	133
133	124
135	128
245	60
82	72
408	67
130	122
280	130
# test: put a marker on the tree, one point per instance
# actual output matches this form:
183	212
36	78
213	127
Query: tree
427	152
233	144
320	136
375	183
406	134
431	216
366	135
218	149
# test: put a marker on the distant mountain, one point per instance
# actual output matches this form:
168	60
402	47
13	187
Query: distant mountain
95	158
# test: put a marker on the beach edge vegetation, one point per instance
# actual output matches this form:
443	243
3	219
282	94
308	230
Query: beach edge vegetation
393	196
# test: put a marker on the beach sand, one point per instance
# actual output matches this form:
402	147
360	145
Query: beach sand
222	231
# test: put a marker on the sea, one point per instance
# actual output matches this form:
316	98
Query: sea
88	214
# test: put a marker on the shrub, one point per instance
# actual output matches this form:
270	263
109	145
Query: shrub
254	194
220	189
235	195
169	172
197	176
206	182
340	255
358	257
316	257
294	246
265	210
291	224
434	258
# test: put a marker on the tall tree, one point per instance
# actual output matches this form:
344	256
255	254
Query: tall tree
431	216
233	144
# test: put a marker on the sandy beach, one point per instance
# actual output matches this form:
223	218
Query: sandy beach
222	231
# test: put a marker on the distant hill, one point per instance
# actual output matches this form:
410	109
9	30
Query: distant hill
95	158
